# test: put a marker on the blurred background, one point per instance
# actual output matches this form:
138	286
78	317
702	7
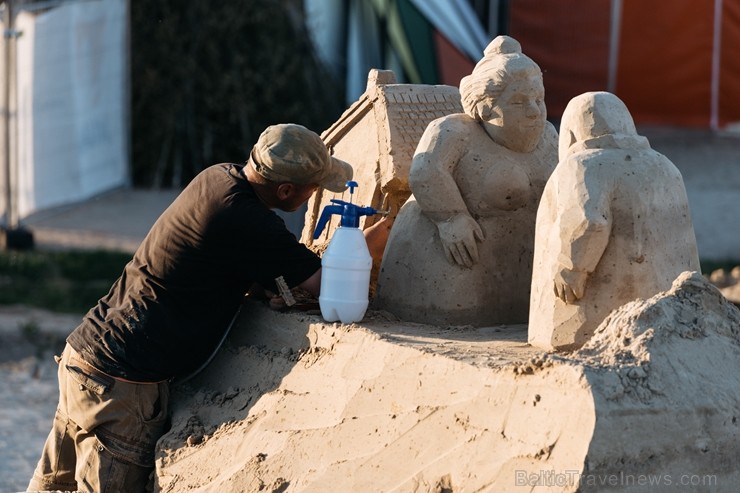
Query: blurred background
99	95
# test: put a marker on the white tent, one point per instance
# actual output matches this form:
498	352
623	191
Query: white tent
69	131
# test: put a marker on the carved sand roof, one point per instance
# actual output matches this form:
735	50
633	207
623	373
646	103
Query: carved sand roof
378	135
401	112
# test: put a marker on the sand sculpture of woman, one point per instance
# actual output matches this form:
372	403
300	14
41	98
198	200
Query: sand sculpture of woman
460	251
614	224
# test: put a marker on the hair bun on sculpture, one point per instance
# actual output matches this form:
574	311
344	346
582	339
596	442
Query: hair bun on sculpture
502	60
502	45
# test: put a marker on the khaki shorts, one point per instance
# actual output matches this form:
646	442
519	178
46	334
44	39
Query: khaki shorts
104	432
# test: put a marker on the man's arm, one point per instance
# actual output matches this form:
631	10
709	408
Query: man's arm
376	237
313	283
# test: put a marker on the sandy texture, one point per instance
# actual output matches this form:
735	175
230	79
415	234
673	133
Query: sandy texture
467	234
666	373
295	404
380	407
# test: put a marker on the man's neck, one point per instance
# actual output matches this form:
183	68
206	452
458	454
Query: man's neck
261	189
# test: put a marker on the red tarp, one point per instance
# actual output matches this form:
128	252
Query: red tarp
665	52
729	80
569	40
665	60
451	63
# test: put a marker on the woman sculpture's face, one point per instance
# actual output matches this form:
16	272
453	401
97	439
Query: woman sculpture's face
518	116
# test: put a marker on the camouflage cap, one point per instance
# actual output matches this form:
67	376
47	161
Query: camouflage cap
293	153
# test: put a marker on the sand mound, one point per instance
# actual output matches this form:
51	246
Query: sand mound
379	407
693	309
666	379
295	404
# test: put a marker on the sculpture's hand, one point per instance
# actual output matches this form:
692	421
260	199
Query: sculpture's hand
459	235
570	285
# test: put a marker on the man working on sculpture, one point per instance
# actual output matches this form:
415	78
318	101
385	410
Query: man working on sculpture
169	309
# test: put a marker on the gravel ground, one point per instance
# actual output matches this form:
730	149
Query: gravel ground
28	387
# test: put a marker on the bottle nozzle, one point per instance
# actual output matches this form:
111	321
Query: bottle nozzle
351	185
350	212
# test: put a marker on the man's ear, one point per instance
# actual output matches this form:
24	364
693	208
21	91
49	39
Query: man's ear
285	191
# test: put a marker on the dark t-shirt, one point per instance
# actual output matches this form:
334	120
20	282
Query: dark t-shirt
167	312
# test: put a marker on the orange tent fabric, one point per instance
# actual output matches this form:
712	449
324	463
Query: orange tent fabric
673	62
452	65
569	40
665	61
729	80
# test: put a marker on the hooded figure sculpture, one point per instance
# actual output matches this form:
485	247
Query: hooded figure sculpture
613	224
460	251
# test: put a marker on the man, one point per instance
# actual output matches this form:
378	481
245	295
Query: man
169	309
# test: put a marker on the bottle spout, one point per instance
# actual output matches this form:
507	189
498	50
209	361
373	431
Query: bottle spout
326	214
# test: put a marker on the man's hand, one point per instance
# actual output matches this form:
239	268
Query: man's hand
570	285
277	302
459	235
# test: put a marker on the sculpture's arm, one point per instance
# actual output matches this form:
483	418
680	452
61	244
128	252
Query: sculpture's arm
585	226
432	182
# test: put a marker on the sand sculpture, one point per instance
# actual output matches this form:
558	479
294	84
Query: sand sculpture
384	406
293	403
378	134
460	251
613	224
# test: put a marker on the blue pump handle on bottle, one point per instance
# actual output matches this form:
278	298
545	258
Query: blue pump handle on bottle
350	212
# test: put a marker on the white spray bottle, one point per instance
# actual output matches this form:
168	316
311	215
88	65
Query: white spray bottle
346	263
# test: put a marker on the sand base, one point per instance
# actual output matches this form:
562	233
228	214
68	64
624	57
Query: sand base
295	404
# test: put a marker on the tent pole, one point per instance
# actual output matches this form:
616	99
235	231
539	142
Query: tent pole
12	236
616	24
7	36
716	50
